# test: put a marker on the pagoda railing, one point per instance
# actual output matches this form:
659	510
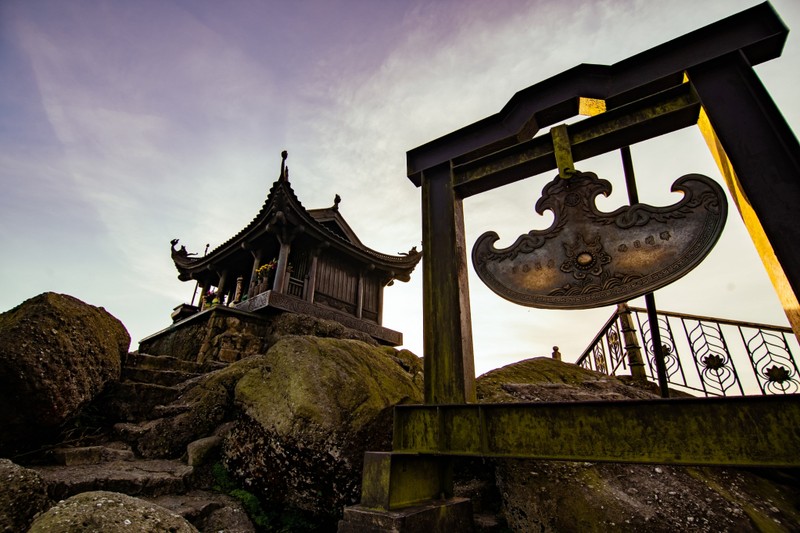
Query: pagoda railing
262	285
295	287
703	355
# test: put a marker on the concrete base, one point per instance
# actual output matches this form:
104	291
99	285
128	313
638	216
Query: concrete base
445	516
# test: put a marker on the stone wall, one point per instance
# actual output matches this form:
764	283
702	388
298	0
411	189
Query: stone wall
228	335
218	334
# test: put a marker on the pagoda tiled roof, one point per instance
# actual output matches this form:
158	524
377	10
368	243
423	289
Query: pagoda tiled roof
326	224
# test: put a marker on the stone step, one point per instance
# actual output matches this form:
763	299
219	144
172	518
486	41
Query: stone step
156	376
131	432
130	401
173	409
165	362
149	439
208	511
84	455
134	478
488	523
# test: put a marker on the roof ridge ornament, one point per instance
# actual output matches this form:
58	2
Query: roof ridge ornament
284	169
336	201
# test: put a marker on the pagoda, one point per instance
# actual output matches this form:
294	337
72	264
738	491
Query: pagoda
292	259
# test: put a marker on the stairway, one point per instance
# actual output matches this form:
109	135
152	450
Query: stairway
150	383
108	459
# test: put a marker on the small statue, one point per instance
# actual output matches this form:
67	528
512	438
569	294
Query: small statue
182	252
412	252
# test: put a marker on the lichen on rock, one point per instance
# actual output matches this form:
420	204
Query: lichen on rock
552	496
23	495
309	411
109	512
56	354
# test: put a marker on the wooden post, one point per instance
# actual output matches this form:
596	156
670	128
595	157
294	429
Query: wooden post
449	364
311	283
632	348
279	283
759	157
237	297
203	290
253	276
223	278
360	296
380	302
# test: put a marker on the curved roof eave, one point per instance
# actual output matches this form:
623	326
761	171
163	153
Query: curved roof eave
400	265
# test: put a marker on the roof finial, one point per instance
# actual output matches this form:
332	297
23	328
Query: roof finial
284	171
336	200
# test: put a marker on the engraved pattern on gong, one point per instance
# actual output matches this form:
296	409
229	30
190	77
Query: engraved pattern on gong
588	258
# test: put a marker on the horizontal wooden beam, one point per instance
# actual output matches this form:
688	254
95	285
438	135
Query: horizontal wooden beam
759	431
662	113
757	32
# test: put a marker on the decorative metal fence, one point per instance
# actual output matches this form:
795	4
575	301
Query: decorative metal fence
705	355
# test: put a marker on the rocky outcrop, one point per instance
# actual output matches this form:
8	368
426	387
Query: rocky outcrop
291	424
23	495
544	379
299	324
551	496
56	354
310	408
109	512
305	412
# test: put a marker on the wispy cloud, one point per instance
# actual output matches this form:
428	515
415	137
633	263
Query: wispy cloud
133	123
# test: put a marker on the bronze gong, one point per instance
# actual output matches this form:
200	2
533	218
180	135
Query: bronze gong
588	258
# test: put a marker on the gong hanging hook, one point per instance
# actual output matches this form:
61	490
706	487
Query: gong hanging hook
563	151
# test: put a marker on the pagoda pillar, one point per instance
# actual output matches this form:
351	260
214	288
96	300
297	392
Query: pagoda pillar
253	276
360	296
380	304
203	291
223	278
311	280
279	284
237	296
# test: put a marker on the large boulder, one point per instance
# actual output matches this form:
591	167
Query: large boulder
310	408
208	402
109	512
56	354
23	495
284	324
551	496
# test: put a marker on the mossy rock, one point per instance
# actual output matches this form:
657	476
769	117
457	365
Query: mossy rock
283	324
546	379
310	409
57	353
109	512
552	496
23	495
323	383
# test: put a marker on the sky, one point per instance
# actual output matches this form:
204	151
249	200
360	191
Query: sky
124	125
